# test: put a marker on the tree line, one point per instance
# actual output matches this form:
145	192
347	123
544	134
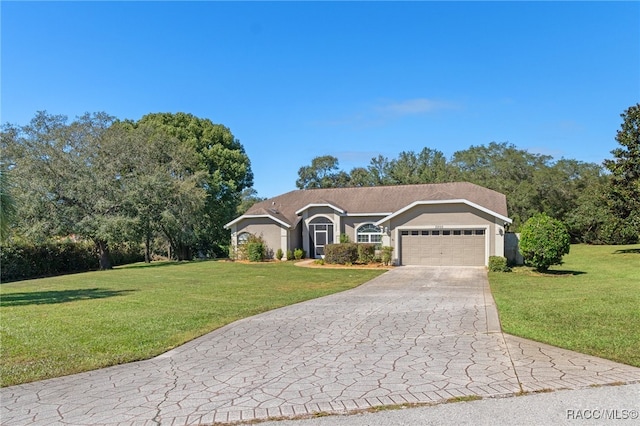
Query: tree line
599	204
166	180
169	182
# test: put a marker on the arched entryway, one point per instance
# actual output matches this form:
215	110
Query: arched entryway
320	234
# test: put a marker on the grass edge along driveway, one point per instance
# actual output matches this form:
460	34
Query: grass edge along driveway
590	304
62	325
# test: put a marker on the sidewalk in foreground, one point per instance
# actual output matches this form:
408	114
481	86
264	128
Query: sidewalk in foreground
619	405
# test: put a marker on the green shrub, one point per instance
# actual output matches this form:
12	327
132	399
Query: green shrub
289	254
126	253
386	255
279	254
366	252
619	231
215	251
341	253
543	241
350	253
25	260
319	262
255	251
498	264
344	238
298	254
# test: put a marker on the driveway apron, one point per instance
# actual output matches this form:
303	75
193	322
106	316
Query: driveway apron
412	335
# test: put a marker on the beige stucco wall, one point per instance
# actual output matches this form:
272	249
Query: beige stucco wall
352	223
295	238
274	234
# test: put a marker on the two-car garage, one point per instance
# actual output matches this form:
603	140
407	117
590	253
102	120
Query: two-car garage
443	247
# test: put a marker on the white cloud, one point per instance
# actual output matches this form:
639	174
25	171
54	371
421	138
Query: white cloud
384	111
413	107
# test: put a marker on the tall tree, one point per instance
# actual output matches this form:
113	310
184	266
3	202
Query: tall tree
379	170
228	172
165	194
624	195
504	168
112	181
360	176
591	221
7	202
71	177
428	166
248	198
558	187
323	172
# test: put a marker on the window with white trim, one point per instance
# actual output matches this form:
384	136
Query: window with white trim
243	238
369	233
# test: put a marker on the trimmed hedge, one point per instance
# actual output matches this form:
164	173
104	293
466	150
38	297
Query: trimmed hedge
341	253
366	252
345	253
543	241
498	264
21	261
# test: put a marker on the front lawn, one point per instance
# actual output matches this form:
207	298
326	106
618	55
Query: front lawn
56	326
590	304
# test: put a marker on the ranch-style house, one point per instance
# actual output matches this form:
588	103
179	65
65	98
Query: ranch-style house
444	224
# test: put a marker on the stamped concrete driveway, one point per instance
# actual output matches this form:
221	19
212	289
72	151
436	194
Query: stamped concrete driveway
411	335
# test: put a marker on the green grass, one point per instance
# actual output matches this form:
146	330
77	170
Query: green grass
62	325
590	304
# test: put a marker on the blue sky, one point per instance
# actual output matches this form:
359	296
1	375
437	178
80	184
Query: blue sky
296	80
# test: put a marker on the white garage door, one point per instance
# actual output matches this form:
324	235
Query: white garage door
443	247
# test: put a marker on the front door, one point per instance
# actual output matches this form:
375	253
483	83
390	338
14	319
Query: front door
320	238
320	234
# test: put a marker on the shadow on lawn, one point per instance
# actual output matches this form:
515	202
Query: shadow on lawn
627	251
157	264
61	296
563	273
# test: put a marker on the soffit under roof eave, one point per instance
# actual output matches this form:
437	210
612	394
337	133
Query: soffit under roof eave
308	206
256	216
435	202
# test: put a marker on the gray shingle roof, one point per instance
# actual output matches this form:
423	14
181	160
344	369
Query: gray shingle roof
377	199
